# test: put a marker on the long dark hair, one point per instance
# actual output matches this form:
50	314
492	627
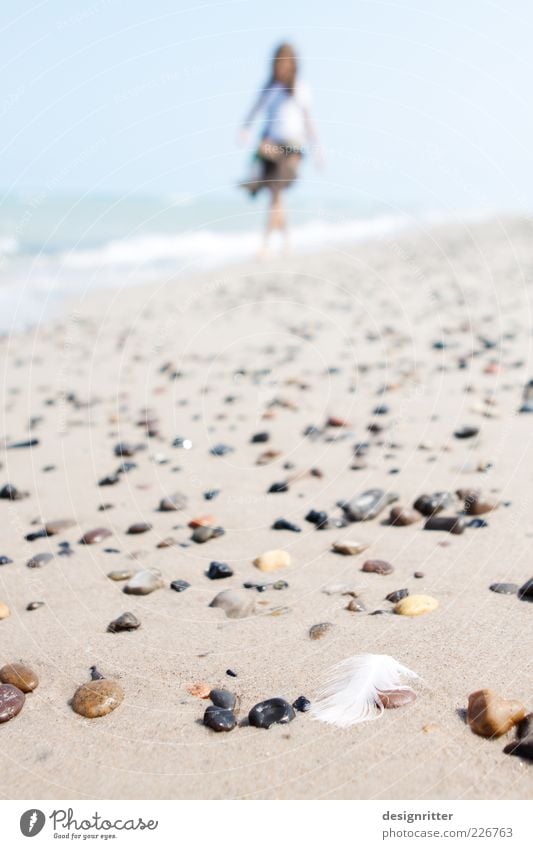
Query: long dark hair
284	51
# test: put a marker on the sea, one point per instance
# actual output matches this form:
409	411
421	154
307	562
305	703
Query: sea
53	247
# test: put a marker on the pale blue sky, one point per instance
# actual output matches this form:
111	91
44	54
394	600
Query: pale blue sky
425	102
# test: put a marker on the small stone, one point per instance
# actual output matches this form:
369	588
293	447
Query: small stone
144	582
97	698
57	526
166	542
430	504
397	595
96	675
260	437
355	606
231	673
526	591
169	503
349	547
505	589
466	432
33	605
430	727
523	746
211	493
219	570
11	701
202	534
223	699
201	521
285	525
280	486
39	560
477	523
380	567
271	712
419	574
273	560
368	505
221	450
491	716
236	604
267	457
5	560
219	719
452	524
11	493
94	536
200	690
473	502
109	480
125	622
339	589
139	528
415	605
179	586
317	517
20	676
301	704
120	574
316	632
402	516
391	699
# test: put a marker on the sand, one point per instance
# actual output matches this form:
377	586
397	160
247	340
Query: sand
292	342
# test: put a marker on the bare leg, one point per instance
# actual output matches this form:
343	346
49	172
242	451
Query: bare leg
276	219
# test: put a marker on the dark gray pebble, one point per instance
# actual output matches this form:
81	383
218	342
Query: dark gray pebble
397	595
5	560
109	480
260	437
39	560
219	719
125	622
301	704
219	570
179	586
434	503
11	493
34	605
221	450
526	591
280	486
223	699
285	525
271	712
506	589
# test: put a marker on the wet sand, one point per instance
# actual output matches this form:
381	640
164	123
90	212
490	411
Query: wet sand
435	325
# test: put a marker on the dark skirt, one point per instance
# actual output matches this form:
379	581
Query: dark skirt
278	167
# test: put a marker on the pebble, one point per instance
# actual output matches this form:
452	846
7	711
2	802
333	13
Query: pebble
33	605
523	747
125	622
20	676
260	437
11	701
211	493
466	432
505	589
452	524
477	523
11	493
491	716
236	604
219	719
223	699
419	574
218	570
120	574
96	675
403	516
139	528
202	534
109	480
273	560
39	560
391	699
430	504
397	595
280	486
285	525
301	704
57	526
415	605
380	567
319	518
355	606
231	673
167	542
94	536
349	547
169	503
368	505
5	560
221	450
474	503
25	443
179	585
316	632
271	712
526	591
144	582
97	698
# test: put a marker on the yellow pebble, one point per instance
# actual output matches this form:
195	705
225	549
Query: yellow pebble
415	605
4	610
273	560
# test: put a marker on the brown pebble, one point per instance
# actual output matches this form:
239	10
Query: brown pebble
380	567
348	547
97	698
316	632
403	516
429	727
120	574
139	528
419	574
491	716
391	699
355	606
94	536
4	610
11	701
57	526
167	542
203	521
20	676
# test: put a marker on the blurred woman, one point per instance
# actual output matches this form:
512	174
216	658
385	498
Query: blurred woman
285	103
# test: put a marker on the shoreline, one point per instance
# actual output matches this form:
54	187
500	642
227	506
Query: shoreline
274	348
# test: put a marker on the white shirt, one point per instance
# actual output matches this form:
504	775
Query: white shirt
286	112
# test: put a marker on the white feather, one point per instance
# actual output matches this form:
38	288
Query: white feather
351	691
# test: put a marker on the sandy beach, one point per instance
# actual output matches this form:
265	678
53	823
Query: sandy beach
433	327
